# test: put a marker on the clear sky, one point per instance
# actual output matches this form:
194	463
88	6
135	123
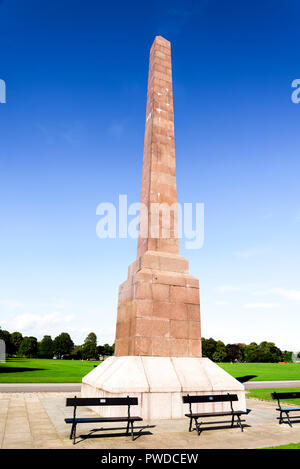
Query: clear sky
71	137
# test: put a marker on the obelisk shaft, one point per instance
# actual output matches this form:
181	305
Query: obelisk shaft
159	305
159	171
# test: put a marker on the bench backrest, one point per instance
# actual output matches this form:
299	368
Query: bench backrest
209	398
101	401
285	395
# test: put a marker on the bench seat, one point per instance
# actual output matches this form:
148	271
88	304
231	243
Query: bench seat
217	414
102	419
288	409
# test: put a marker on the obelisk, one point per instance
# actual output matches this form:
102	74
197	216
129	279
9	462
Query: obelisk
159	310
158	340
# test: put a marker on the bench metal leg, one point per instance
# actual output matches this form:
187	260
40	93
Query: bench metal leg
288	417
240	423
132	437
232	421
127	429
73	429
73	432
281	418
197	426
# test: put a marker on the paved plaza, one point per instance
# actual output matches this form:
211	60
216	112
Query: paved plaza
36	420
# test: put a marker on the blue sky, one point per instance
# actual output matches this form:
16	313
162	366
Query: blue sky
71	137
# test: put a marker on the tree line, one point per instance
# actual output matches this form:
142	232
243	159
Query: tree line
61	346
265	352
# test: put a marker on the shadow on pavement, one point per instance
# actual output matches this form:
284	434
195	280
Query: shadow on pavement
113	435
221	427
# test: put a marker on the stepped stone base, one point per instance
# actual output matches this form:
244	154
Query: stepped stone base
159	383
159	308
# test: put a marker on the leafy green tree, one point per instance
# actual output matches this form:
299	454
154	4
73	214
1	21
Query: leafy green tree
108	349
219	354
208	347
233	353
268	353
288	356
265	352
251	352
45	347
28	347
298	355
63	344
89	348
16	339
77	352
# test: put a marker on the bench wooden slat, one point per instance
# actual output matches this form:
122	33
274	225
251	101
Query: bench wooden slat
209	398
217	414
285	395
101	401
102	419
288	409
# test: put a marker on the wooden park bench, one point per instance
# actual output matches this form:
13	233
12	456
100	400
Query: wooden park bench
286	410
211	399
101	401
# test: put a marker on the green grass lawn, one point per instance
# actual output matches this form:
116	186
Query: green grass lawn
290	446
263	371
265	394
34	370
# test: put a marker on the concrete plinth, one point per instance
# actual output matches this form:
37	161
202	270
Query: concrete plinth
159	383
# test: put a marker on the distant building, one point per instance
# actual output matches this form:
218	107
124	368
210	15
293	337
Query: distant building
2	351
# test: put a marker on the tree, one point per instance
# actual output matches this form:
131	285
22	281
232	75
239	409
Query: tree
219	354
251	352
233	353
265	352
108	349
77	352
28	347
45	347
208	347
16	339
89	348
288	356
63	344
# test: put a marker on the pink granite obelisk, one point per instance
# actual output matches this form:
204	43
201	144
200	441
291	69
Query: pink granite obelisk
159	310
158	341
